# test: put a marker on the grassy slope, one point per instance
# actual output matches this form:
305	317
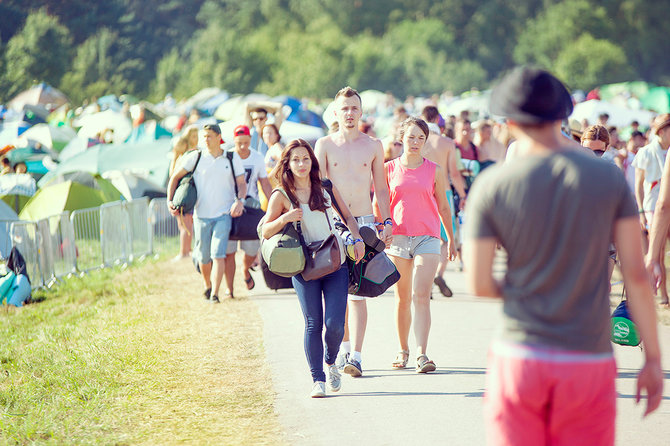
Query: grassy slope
135	358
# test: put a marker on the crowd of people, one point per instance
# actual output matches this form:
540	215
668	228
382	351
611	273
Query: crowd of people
530	185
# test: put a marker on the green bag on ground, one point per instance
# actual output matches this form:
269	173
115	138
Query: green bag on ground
283	252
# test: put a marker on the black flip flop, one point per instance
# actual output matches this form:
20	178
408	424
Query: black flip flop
370	238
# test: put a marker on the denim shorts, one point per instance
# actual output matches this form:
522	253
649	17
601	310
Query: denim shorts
250	247
407	247
211	237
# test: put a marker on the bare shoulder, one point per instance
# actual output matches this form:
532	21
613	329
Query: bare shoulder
446	143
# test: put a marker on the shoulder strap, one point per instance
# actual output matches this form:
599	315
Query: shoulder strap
328	186
197	160
229	155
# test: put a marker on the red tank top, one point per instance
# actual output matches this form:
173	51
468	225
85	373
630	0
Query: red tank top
413	204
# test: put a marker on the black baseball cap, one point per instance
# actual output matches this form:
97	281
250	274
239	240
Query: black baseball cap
531	96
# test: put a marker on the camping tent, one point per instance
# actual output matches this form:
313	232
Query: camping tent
658	99
95	123
16	190
149	159
134	186
57	198
55	138
148	131
94	181
619	116
41	94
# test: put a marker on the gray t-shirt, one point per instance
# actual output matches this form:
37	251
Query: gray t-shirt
555	216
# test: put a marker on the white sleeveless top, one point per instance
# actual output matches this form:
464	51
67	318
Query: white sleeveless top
315	226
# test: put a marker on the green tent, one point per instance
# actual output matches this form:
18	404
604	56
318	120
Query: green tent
15	201
639	89
94	181
658	100
66	196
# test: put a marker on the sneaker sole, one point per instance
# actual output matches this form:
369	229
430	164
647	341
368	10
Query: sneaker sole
370	238
318	395
351	370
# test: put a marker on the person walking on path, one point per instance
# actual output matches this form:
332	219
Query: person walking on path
185	220
215	207
661	221
649	165
256	117
418	201
254	172
442	151
551	373
350	159
323	300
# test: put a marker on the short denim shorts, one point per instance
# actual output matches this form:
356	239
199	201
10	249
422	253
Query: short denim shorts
407	247
211	237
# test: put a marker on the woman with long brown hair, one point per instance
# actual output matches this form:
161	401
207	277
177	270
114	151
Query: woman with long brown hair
302	198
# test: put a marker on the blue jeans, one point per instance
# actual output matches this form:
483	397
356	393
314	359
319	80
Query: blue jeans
333	288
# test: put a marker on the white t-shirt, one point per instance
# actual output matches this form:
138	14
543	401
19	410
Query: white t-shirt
214	182
254	168
651	159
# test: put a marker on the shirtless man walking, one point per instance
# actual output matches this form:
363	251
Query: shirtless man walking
350	159
442	151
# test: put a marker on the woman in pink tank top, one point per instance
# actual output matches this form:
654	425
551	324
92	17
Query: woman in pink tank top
418	201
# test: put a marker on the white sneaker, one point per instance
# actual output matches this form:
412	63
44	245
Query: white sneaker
319	390
341	360
334	378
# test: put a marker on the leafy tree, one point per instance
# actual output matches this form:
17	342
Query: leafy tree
40	52
96	70
590	62
558	26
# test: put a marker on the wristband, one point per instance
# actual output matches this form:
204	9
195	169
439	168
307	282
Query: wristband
358	240
388	222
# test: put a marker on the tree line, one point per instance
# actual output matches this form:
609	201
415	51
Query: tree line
314	47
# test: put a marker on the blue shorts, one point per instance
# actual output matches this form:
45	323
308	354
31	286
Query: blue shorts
211	237
454	219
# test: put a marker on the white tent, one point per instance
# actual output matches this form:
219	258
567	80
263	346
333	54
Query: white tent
95	123
619	116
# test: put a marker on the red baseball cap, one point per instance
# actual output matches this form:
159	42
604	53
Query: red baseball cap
241	130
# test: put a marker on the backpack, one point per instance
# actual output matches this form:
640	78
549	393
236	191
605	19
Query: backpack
186	195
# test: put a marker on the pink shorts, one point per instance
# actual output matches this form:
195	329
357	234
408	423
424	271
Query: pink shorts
543	396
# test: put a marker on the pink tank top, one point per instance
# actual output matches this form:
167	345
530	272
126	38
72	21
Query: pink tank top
413	205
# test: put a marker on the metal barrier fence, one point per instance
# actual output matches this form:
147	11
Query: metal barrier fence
86	226
25	238
87	239
164	227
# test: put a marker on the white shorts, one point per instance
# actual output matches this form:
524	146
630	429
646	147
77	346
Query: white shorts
250	247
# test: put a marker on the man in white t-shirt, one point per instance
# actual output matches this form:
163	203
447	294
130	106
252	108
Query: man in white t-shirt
648	163
253	164
216	205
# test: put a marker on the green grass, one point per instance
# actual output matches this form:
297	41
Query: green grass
134	357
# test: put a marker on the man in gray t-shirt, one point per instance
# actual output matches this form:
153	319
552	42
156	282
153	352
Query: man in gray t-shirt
556	226
554	209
